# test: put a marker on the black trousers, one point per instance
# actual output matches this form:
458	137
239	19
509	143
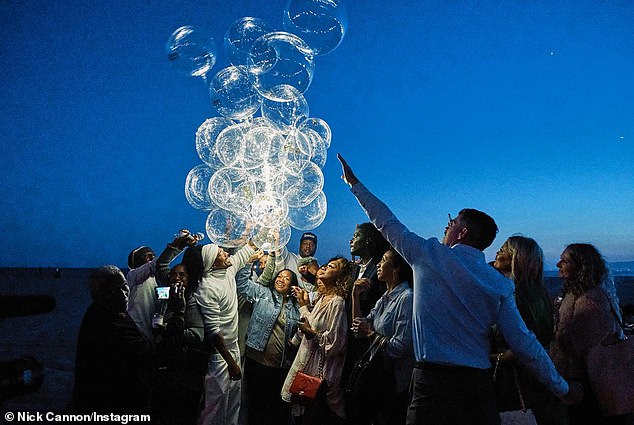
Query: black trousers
263	387
451	395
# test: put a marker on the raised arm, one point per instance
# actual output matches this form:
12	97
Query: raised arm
240	258
246	287
141	274
269	271
407	243
171	251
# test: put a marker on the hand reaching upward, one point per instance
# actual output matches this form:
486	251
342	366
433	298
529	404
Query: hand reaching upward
348	176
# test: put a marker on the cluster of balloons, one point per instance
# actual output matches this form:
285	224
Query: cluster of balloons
261	174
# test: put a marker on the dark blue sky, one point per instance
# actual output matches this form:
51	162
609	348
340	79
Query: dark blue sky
522	109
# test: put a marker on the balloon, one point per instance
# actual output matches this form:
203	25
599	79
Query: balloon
261	175
271	238
196	185
230	144
297	150
268	210
285	107
280	58
318	147
191	51
226	228
206	136
319	126
240	37
231	189
310	216
322	24
232	94
300	188
259	141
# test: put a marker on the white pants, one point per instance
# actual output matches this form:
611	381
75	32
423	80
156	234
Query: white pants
222	395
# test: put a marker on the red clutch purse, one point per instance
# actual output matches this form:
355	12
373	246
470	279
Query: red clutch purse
304	388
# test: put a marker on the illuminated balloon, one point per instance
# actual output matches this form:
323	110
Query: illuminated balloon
261	174
258	143
319	152
230	144
269	211
232	94
319	126
280	58
322	24
285	108
296	151
226	228
240	37
300	188
196	185
206	136
191	51
271	238
231	189
309	216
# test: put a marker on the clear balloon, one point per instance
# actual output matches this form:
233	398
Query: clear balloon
230	144
196	185
309	216
319	152
299	188
280	58
232	93
226	228
322	24
206	136
271	238
296	151
259	141
191	51
240	37
319	126
268	210
285	108
231	189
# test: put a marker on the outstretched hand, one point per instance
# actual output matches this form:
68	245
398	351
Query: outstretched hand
184	239
348	176
256	256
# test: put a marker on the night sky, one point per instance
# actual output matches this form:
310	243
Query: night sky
522	109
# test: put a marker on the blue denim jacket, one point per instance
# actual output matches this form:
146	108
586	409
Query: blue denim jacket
267	304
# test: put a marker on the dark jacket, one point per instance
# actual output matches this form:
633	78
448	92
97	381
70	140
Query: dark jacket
114	361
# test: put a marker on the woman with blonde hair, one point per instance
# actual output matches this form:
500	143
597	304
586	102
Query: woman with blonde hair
322	345
521	260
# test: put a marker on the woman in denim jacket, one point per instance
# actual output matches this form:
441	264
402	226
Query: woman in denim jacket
269	352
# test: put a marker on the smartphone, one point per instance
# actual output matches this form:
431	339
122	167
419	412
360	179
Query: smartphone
163	292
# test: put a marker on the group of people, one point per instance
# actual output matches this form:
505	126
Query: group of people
457	339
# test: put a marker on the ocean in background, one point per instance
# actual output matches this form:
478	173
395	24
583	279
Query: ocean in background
624	281
52	337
